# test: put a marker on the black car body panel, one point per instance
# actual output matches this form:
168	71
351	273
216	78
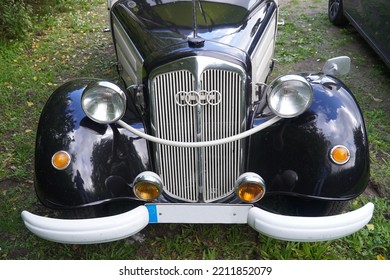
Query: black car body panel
106	159
295	153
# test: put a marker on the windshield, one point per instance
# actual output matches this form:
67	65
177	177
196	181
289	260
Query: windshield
156	14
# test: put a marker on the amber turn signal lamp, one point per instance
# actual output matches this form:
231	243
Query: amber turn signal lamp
147	186
340	154
60	160
250	187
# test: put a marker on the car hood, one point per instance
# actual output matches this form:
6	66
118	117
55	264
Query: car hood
157	24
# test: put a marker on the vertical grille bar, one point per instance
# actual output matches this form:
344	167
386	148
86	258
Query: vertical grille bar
177	166
221	162
220	165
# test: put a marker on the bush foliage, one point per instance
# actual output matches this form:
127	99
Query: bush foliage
15	21
18	16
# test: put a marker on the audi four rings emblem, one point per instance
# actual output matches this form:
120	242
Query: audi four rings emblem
194	98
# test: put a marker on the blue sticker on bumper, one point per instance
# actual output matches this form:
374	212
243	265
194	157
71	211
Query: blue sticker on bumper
152	209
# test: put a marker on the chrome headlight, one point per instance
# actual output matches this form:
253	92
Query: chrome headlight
103	102
289	96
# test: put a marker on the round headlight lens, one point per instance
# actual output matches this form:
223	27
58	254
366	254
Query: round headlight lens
289	96
104	102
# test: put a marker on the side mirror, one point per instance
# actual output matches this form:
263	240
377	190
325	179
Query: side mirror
337	66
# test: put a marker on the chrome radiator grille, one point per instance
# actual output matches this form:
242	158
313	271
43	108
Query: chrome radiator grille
193	107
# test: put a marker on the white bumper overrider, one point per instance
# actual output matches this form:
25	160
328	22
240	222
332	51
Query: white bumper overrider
309	228
99	230
88	231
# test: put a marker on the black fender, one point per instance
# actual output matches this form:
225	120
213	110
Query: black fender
294	155
104	158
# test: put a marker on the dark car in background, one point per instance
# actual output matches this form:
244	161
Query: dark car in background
370	18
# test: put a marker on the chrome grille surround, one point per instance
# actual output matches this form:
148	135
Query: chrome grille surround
198	174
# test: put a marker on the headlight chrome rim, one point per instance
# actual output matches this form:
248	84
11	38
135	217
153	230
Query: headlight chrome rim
103	102
289	96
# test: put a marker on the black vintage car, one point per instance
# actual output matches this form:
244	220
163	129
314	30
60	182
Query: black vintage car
195	132
370	18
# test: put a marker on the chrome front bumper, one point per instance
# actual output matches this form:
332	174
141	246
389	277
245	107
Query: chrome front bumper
88	231
99	230
309	229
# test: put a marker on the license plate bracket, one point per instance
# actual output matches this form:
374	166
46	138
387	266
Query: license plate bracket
198	213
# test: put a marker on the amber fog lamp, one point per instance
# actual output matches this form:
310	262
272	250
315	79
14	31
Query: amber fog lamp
250	187
340	154
147	186
60	160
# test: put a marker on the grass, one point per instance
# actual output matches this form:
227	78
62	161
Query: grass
71	44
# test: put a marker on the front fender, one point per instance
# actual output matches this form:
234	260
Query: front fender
294	156
104	158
